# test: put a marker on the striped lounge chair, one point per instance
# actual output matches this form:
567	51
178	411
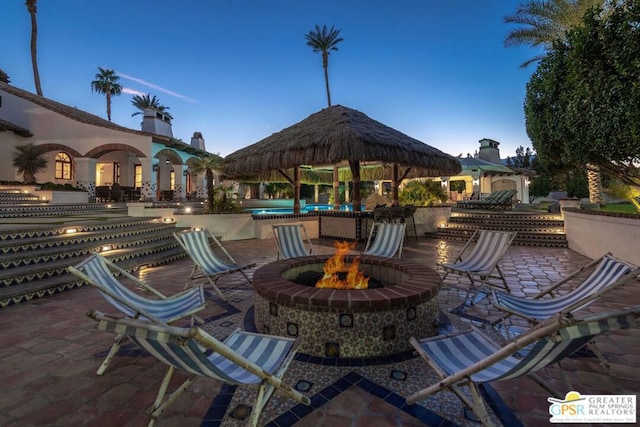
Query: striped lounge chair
607	274
471	358
244	358
385	240
481	260
98	272
291	240
206	262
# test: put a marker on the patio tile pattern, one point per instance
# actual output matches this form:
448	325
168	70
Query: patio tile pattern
49	352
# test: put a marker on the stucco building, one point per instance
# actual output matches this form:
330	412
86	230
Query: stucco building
89	152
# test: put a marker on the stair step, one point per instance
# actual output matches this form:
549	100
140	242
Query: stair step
55	284
51	254
533	229
26	272
60	241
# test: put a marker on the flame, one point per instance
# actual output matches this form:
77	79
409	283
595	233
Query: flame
354	279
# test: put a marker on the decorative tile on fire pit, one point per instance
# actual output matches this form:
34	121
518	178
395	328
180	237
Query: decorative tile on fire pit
332	349
411	313
273	309
389	332
292	329
346	320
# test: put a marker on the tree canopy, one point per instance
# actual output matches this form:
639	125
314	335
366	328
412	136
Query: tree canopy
107	82
146	101
583	102
541	22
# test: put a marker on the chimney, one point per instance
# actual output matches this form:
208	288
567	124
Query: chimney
156	123
489	150
197	141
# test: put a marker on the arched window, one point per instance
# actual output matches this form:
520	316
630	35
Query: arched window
63	166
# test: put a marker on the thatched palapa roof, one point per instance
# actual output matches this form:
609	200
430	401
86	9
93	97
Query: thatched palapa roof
331	136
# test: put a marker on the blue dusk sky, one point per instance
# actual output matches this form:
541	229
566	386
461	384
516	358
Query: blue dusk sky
238	71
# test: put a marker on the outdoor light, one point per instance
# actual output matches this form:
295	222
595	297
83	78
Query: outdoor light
155	168
43	198
187	209
476	181
168	220
106	248
70	230
198	228
527	182
167	161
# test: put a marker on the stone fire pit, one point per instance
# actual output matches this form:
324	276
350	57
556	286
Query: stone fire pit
348	323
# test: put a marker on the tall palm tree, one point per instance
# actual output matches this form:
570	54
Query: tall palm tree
146	101
107	83
32	8
543	22
29	161
207	164
324	41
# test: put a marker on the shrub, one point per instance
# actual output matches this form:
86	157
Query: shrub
422	193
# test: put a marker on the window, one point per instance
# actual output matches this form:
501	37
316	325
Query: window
63	166
137	172
173	180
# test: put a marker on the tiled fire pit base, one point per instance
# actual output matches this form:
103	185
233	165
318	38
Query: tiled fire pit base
348	323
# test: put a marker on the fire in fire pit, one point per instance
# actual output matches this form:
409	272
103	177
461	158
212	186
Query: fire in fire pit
336	273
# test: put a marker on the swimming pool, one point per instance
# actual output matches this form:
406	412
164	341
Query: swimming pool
306	209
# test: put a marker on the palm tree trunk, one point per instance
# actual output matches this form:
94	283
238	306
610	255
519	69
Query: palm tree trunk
595	184
325	66
109	105
34	49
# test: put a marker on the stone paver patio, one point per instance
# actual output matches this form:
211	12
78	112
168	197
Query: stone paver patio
49	352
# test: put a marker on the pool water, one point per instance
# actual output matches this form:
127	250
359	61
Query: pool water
306	209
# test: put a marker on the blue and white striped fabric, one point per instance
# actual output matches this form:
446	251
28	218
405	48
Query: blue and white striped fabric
181	352
485	255
388	240
197	245
132	304
453	354
290	242
608	271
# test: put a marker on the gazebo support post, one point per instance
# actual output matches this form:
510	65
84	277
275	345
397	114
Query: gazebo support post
295	182
296	190
394	185
354	165
336	188
395	182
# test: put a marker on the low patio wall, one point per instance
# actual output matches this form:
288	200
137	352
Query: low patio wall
428	218
63	197
263	223
246	226
593	233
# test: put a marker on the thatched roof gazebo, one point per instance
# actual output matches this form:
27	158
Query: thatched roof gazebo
342	136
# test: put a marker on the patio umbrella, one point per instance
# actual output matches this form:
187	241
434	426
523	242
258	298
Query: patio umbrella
338	135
